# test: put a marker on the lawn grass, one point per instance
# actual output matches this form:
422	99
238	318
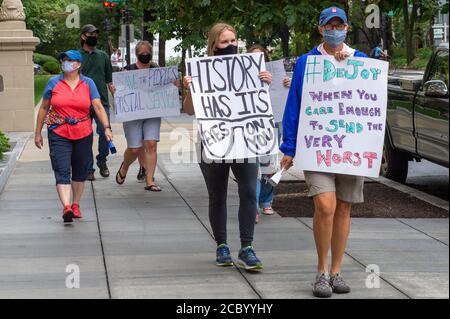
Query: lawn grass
40	81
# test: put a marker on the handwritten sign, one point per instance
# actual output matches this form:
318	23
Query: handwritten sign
342	116
145	93
232	106
278	92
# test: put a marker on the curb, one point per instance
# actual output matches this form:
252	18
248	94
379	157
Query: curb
433	200
12	156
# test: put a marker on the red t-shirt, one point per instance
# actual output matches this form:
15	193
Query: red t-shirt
72	104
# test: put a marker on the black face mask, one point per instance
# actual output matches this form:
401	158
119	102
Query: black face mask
144	58
231	49
91	41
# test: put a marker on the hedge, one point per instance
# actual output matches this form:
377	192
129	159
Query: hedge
4	144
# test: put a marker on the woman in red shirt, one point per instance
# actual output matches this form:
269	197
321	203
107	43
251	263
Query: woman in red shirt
65	109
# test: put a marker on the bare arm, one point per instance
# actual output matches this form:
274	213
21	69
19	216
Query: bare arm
188	104
43	110
101	114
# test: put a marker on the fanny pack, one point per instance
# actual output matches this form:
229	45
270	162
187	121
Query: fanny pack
53	119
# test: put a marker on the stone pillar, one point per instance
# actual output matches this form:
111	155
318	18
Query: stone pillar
17	45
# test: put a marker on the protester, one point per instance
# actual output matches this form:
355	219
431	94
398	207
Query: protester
267	165
142	135
333	194
222	40
378	53
97	66
117	60
65	109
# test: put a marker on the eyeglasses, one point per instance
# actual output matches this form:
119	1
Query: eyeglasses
339	27
252	139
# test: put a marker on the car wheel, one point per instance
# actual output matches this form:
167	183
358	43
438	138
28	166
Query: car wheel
394	164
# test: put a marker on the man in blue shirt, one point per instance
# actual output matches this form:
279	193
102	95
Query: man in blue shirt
333	194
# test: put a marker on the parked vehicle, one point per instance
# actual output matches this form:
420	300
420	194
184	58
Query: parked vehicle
418	119
37	69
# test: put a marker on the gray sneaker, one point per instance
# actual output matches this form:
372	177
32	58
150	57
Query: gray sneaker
338	284
322	287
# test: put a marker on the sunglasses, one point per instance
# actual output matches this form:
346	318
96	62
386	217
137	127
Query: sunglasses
339	27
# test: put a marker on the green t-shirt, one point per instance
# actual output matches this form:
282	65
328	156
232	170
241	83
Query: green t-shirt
97	66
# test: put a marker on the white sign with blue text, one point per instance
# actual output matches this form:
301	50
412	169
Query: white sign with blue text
145	93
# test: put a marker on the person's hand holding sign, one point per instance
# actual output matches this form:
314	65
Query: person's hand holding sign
187	80
341	55
287	82
265	76
287	162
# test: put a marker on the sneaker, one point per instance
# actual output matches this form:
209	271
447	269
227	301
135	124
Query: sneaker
91	176
67	214
223	256
142	174
338	284
322	287
76	211
248	259
104	171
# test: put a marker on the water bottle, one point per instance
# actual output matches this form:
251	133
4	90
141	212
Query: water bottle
112	148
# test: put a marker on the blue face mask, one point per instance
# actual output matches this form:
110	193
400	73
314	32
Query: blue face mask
334	38
68	67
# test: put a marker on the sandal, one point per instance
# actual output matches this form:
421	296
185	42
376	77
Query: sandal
268	211
118	175
153	188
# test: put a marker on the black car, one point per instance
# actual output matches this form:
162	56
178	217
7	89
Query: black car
418	119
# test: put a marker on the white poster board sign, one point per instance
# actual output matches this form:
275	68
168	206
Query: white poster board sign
232	106
145	93
342	116
278	92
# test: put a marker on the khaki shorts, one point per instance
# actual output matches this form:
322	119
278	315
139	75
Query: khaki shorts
348	188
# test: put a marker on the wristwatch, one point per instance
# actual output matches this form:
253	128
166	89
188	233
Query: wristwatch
108	126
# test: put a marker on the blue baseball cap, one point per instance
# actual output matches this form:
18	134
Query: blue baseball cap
71	54
330	13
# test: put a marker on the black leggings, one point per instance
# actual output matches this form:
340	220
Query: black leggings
216	177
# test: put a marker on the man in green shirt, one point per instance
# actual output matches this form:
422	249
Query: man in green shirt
97	66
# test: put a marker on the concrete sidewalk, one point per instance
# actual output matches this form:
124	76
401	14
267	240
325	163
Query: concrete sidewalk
133	243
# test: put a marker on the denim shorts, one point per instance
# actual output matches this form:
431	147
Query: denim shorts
70	158
142	130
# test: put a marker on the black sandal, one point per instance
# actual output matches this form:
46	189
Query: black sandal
153	188
118	175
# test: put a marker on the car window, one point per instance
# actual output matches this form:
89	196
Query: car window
439	69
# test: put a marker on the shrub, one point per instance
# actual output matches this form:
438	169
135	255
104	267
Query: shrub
41	59
52	67
4	144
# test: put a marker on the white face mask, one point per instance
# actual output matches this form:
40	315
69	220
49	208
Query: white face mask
68	67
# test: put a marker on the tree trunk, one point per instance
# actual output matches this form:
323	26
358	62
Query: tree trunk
146	35
285	35
162	51
409	29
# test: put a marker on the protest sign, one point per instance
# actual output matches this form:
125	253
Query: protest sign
232	106
278	92
342	116
145	93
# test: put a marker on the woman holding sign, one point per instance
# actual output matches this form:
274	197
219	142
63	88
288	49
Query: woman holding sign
222	40
142	135
333	194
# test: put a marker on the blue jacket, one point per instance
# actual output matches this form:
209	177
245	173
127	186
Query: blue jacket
291	115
